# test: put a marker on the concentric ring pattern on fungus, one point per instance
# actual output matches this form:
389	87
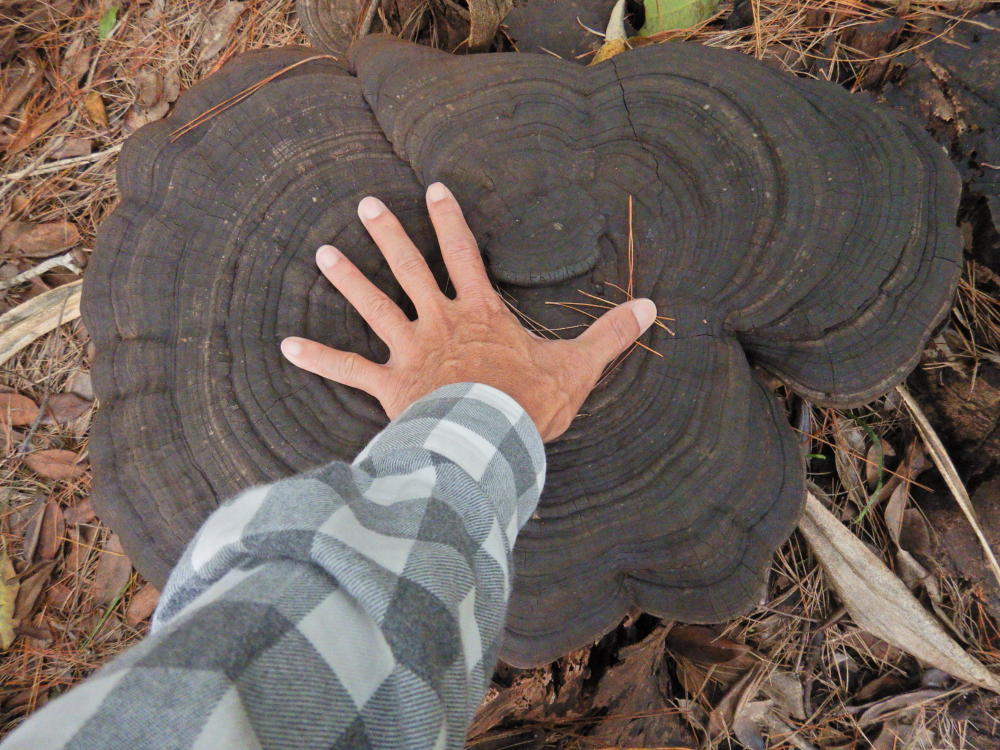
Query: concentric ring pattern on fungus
783	224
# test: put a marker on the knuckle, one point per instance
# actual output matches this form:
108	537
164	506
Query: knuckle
465	246
378	306
349	365
412	265
621	333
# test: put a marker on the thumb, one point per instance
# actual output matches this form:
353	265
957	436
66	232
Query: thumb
616	330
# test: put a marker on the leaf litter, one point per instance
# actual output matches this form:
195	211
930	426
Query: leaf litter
813	672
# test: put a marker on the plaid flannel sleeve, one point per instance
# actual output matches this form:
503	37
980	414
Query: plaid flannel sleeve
351	606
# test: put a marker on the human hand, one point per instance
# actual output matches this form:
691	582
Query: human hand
472	338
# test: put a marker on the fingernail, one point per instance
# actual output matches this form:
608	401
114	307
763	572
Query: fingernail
644	311
437	192
291	348
327	256
370	208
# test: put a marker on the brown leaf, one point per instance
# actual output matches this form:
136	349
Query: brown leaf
36	127
888	684
41	240
702	644
59	596
55	463
53	528
142	605
27	82
113	571
74	147
82	385
17	410
876	457
747	723
720	720
882	604
787	692
874	713
850	441
81	548
29	526
8	595
76	61
216	32
93	105
65	407
33	583
172	82
150	86
82	512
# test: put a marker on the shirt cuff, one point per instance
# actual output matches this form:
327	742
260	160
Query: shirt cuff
480	429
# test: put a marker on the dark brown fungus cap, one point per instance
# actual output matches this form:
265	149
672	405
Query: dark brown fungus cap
783	223
330	26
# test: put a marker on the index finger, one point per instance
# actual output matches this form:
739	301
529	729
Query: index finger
458	246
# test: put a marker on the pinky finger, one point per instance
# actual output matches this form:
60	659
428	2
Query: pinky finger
341	367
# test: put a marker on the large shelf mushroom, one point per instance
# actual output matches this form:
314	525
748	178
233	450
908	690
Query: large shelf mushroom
784	224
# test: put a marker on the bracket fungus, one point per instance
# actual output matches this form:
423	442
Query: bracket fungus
785	225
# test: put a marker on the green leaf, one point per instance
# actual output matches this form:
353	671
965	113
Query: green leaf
664	15
108	21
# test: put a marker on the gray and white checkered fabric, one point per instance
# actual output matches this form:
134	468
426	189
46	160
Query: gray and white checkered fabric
352	606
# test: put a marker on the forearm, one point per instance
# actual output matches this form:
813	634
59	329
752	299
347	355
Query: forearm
347	602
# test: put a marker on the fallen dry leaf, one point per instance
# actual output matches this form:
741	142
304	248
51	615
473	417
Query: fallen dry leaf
55	463
41	240
8	595
65	407
27	82
881	603
17	410
172	82
747	723
850	441
28	522
76	60
82	512
720	720
888	684
33	582
142	605
59	595
93	105
36	127
53	528
701	644
81	548
874	713
150	86
74	147
113	571
82	385
787	692
877	455
217	28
